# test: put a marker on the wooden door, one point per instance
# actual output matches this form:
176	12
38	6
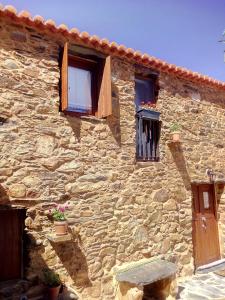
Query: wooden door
11	243
205	228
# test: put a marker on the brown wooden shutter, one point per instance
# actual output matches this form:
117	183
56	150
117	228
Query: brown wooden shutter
64	78
105	93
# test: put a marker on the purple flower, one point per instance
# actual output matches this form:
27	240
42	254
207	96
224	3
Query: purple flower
61	208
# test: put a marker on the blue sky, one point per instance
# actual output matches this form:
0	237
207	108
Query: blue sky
182	32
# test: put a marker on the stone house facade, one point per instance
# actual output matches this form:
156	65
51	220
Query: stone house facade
122	209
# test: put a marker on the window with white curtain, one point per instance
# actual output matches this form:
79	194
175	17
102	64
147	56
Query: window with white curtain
79	90
85	83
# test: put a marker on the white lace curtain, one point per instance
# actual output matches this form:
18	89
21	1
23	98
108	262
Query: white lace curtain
79	94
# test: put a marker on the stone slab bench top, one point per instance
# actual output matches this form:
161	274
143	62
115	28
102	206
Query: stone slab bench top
146	272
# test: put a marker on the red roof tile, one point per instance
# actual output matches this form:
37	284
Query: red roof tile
105	46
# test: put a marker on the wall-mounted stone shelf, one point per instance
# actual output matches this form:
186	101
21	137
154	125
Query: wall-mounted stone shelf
171	142
59	238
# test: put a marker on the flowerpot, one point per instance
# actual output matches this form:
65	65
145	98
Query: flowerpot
176	136
61	227
53	292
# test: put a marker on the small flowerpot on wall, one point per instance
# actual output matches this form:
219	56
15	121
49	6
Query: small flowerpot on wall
53	292
175	130
52	282
61	227
176	136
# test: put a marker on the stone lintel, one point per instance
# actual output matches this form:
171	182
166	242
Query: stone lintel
146	272
199	181
220	181
204	181
59	238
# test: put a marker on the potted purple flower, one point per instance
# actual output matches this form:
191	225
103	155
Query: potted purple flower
60	222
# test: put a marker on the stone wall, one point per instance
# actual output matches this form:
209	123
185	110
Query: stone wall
121	210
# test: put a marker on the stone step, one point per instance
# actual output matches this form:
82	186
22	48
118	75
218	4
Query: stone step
15	289
202	287
214	266
37	298
35	291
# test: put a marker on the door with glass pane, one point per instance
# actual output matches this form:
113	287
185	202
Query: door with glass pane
205	227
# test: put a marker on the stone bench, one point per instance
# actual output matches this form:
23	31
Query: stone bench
146	279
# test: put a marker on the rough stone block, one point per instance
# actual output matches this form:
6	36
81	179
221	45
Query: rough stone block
17	190
18	36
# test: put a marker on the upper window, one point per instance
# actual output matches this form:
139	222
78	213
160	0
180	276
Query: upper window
86	84
82	85
145	90
148	124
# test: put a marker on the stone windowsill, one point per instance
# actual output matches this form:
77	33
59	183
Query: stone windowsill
59	238
143	164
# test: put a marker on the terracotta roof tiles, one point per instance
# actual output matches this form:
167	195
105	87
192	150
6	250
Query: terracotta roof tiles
105	46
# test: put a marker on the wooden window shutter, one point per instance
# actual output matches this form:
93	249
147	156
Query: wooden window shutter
64	78
105	92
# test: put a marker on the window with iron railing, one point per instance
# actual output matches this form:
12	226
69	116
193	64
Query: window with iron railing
148	126
148	135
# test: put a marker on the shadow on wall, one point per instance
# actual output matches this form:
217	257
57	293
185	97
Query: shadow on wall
4	198
179	159
66	255
219	190
65	258
75	124
74	262
113	121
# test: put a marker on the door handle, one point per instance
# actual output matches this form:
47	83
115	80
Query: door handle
204	224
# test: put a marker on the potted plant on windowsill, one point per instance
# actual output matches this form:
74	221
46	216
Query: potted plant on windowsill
60	222
52	282
175	131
